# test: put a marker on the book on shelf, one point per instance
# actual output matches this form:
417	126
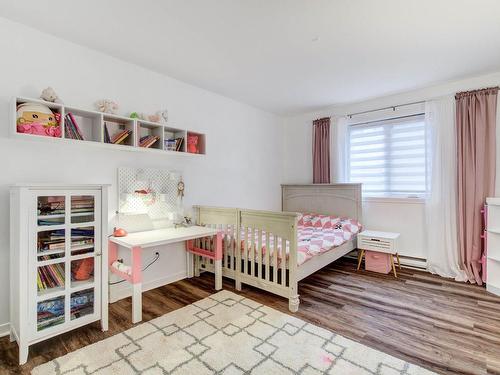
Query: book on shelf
82	205
174	144
71	127
50	276
178	144
148	140
53	241
50	208
121	136
82	303
107	139
50	313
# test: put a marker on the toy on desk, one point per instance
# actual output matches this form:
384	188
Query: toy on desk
186	222
34	118
119	232
122	267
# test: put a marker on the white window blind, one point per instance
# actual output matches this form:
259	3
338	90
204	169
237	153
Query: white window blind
389	157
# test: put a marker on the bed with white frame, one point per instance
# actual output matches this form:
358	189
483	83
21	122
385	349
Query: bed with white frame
255	266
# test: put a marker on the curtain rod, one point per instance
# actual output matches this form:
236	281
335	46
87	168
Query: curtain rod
393	107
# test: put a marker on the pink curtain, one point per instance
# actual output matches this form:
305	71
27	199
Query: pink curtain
475	121
321	151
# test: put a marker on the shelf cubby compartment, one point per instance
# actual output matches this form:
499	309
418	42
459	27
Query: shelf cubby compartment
83	125
82	272
50	313
171	138
82	238
196	143
82	209
50	210
114	126
50	241
22	126
149	135
82	303
51	278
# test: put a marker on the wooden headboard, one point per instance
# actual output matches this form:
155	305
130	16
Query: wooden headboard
342	200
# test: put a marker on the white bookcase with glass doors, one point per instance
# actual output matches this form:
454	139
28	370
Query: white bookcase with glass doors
58	260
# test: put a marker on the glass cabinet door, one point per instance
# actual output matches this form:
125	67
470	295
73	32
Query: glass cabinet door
66	259
84	258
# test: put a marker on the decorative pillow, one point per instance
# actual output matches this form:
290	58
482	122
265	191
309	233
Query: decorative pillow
317	220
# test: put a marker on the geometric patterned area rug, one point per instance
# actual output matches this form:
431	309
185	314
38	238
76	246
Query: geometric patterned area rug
227	334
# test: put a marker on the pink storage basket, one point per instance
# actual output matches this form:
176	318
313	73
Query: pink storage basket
378	262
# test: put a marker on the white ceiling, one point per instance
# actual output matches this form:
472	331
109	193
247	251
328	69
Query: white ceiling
285	56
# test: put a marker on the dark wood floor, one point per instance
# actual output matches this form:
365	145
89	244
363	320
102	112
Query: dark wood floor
447	327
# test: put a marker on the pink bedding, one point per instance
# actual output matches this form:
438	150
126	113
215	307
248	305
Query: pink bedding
316	234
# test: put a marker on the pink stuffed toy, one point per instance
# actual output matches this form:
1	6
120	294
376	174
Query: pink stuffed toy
39	129
38	119
192	144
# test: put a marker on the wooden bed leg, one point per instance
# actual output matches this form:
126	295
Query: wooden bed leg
293	299
293	303
237	285
196	266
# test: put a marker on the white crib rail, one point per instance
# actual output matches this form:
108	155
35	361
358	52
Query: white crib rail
256	254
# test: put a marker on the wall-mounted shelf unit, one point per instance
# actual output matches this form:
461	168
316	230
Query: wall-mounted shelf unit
113	131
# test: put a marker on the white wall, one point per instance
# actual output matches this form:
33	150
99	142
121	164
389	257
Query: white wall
243	165
404	216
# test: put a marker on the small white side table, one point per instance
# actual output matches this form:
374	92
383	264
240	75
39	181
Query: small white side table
382	242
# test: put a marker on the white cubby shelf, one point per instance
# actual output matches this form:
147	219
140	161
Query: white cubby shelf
92	125
493	245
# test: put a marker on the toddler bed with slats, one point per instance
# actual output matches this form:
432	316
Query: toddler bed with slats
317	226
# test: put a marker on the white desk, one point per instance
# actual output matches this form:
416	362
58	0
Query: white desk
137	241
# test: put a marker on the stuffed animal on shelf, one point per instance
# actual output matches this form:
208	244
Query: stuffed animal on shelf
154	118
192	144
49	95
38	119
163	116
107	106
160	117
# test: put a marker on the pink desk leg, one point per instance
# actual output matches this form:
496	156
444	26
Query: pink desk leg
136	284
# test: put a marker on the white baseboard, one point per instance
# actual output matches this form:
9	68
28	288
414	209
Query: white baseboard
4	329
406	262
493	289
118	293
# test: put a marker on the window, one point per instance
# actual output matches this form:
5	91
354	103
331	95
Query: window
389	157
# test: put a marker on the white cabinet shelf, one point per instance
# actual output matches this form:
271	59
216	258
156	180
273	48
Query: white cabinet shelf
493	245
59	277
93	126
